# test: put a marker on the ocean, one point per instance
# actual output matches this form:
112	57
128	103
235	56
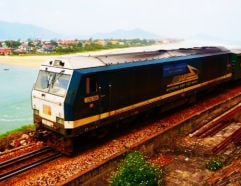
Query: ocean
15	96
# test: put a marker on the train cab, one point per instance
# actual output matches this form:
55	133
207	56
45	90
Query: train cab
55	90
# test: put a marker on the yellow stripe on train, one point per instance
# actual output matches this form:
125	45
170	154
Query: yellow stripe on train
91	119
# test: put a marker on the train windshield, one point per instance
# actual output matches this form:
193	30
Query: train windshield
52	82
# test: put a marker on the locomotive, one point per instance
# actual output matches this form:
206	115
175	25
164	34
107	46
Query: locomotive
73	95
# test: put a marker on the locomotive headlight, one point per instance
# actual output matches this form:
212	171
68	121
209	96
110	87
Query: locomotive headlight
36	112
60	120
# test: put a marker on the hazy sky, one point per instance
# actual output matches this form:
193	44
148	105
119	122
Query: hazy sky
172	18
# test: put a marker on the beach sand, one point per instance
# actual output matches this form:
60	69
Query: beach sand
35	61
24	61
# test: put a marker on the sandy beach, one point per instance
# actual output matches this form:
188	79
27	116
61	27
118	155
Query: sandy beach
36	61
24	61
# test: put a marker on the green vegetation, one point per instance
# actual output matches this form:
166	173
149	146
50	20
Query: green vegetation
16	138
94	45
20	129
135	170
58	47
214	164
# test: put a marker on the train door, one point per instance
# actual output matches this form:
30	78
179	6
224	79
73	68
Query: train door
92	95
105	87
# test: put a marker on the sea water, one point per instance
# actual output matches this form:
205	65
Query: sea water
15	96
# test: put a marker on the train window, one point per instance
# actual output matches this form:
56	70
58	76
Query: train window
91	85
51	82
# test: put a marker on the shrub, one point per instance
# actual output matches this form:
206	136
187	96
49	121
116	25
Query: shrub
135	170
214	164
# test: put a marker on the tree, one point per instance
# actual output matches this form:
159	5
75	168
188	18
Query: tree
12	44
54	42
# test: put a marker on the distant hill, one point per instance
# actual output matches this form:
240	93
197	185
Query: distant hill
15	31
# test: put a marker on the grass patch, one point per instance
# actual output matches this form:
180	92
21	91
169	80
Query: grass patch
13	138
20	129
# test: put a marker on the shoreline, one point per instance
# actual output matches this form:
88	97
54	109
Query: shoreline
35	62
23	61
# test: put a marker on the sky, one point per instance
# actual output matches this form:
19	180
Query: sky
169	18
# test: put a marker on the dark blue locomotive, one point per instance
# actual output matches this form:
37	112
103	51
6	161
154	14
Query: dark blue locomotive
74	95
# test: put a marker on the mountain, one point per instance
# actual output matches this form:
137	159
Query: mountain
15	31
127	34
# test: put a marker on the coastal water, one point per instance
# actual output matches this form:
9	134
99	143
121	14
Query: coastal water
15	96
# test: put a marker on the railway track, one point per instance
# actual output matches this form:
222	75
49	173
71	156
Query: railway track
217	138
226	119
235	137
26	162
102	160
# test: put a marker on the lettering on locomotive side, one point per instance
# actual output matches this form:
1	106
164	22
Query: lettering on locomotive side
183	80
91	98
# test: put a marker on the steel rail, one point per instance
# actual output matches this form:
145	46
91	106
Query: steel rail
23	157
221	122
235	137
27	167
215	129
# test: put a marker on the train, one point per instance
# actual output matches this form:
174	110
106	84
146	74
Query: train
73	95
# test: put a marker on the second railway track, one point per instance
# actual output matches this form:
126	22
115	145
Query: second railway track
26	161
231	117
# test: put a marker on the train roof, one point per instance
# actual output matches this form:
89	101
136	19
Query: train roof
81	62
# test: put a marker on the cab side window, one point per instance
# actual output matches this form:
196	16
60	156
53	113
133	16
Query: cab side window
90	85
